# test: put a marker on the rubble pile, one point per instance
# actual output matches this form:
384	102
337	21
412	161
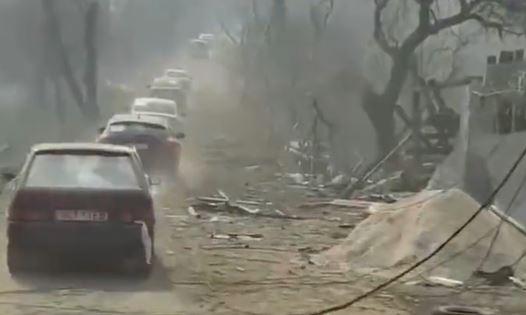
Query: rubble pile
399	234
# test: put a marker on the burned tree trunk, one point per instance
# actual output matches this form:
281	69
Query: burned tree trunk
380	107
381	115
60	49
90	76
59	101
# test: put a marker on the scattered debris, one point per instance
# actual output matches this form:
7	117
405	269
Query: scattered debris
192	212
345	203
383	198
252	168
235	236
499	277
384	184
353	186
405	231
219	218
518	282
456	309
298	178
338	180
224	203
445	282
338	235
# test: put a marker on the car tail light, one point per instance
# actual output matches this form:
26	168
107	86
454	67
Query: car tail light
30	215
174	145
126	216
172	141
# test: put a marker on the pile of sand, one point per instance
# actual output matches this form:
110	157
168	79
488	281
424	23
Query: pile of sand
401	233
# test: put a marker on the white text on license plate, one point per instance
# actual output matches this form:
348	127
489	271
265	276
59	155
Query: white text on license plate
81	215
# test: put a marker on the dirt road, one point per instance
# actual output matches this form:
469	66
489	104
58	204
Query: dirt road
197	274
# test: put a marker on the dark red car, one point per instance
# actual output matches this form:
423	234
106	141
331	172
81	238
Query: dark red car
153	137
85	202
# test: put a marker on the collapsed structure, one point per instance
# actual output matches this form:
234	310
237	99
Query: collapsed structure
399	234
492	134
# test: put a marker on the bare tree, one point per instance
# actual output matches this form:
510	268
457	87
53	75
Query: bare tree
490	14
85	100
90	75
55	34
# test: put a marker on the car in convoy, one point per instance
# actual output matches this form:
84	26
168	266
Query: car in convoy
154	138
169	89
209	38
181	77
82	202
154	107
199	49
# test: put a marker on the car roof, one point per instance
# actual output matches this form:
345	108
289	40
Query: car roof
80	146
138	118
206	36
165	83
199	41
142	101
176	70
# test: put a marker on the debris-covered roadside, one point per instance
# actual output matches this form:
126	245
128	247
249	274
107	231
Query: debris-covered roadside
251	245
254	255
284	239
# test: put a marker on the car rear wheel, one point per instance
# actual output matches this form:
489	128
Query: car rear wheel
17	260
137	265
14	260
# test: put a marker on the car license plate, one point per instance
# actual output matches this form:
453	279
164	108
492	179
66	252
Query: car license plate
140	146
81	215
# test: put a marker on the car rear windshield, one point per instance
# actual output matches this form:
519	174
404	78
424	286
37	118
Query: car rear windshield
134	127
82	171
157	108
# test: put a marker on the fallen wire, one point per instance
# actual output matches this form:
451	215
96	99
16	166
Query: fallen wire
501	223
521	257
385	284
454	255
481	238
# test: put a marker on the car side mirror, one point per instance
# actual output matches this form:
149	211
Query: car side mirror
180	135
101	130
153	181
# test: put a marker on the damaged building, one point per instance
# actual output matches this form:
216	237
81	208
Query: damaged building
492	134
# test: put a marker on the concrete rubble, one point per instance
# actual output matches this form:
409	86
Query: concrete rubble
398	234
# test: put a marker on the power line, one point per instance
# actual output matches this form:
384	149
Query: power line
481	238
456	254
495	229
501	222
385	284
